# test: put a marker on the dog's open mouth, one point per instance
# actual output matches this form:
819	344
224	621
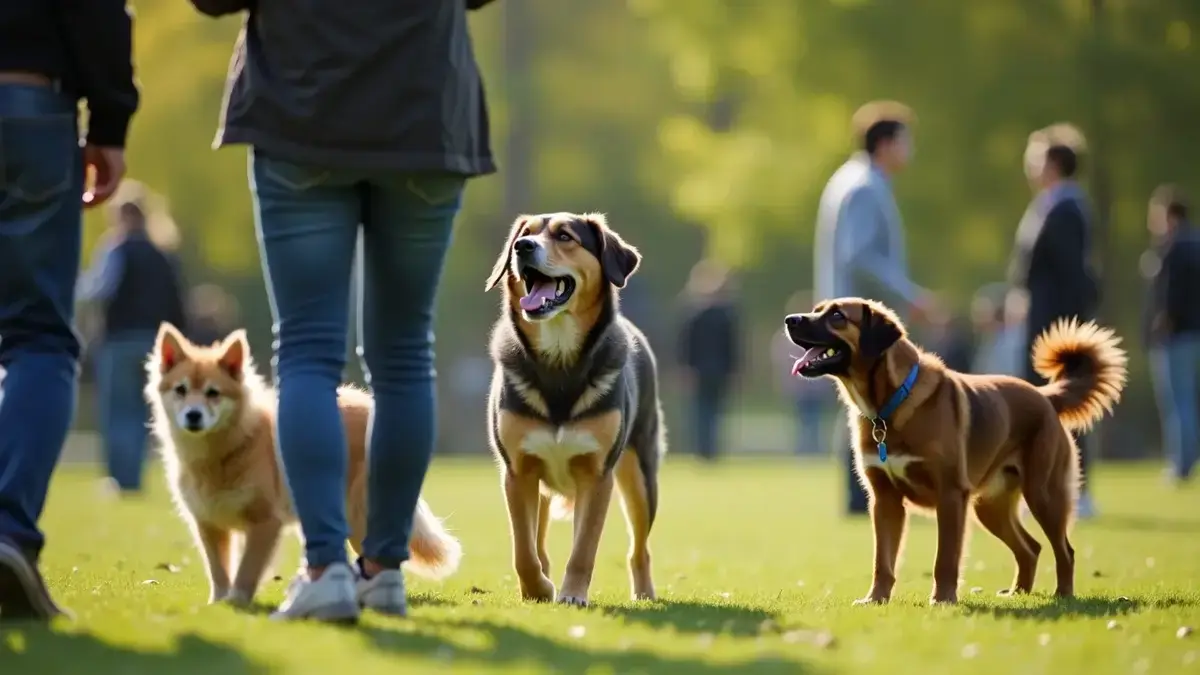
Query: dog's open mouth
818	359
544	293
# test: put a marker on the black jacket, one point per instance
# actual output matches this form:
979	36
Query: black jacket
708	343
365	84
1173	307
84	45
1055	268
148	293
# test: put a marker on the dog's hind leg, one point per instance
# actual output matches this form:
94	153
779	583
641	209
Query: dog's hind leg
635	503
996	511
1051	499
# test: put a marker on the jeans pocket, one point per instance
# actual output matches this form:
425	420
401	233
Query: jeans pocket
436	189
38	156
289	175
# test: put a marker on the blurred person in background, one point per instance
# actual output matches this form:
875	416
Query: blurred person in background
365	117
859	249
708	352
954	342
1053	262
814	399
999	330
134	278
52	55
1172	268
212	314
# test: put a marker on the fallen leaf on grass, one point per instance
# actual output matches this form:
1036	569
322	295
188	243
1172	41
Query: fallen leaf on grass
1184	631
1113	625
167	567
150	582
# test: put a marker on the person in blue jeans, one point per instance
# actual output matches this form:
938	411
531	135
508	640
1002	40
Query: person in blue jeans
361	117
1172	266
51	55
137	283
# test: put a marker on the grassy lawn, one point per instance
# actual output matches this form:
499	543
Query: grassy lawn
755	569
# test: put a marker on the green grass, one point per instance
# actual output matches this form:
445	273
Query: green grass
755	569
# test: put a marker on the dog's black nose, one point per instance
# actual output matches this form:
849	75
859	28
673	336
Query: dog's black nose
193	418
525	246
793	320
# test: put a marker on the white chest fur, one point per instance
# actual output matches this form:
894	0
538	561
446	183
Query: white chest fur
896	465
556	449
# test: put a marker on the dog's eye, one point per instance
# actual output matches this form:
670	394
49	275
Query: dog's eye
181	390
212	394
837	318
563	236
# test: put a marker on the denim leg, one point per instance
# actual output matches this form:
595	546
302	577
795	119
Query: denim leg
41	183
1175	368
122	380
706	422
406	234
307	220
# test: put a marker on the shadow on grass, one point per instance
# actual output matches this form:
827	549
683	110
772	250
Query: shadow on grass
508	645
1053	609
1145	524
694	617
39	649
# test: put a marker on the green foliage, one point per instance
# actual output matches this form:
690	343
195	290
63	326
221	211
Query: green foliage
730	116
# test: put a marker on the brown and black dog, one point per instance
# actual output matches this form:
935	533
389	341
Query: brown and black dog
929	437
574	399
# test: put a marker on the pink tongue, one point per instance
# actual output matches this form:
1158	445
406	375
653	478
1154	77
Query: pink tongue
809	357
542	292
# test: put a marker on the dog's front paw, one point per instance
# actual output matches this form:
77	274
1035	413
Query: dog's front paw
541	590
572	600
872	600
944	599
217	595
237	598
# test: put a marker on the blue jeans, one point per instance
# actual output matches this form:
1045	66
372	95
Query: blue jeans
1176	368
309	218
120	379
41	188
708	410
810	416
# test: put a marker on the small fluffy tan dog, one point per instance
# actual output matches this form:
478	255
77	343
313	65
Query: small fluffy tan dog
214	417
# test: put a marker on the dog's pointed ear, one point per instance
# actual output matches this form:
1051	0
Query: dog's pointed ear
877	333
618	260
234	352
501	267
168	347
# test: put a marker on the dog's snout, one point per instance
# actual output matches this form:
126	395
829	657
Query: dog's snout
193	418
525	246
794	320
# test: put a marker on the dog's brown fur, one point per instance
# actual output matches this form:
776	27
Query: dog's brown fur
574	405
964	441
226	478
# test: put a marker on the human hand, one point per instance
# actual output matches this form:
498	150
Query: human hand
107	169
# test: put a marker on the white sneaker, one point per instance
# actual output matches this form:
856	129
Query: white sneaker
330	598
383	593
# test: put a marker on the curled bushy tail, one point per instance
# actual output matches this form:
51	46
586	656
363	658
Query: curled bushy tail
1086	369
435	552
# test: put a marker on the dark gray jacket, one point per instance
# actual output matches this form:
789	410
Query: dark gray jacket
369	84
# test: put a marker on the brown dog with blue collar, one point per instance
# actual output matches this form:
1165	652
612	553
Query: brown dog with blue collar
930	438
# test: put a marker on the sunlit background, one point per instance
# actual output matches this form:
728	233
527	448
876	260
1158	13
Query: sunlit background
705	127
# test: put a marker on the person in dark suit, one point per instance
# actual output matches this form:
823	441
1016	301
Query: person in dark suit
1172	269
1053	263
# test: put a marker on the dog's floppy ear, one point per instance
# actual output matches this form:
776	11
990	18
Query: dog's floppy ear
501	266
876	333
234	351
618	260
168	347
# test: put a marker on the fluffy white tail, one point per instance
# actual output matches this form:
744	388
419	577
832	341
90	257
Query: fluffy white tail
435	552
